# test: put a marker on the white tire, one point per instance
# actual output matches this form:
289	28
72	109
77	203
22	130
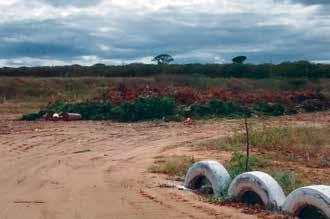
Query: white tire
260	183
316	196
213	171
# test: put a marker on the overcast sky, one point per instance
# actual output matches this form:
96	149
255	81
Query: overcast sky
58	32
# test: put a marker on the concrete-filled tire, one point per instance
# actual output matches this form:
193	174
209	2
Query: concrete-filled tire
317	196
213	171
261	184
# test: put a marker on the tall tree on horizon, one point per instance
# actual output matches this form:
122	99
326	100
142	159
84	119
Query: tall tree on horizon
239	59
163	59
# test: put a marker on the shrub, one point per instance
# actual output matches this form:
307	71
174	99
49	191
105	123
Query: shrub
147	108
197	110
231	108
216	108
88	110
312	105
93	111
33	116
269	109
137	110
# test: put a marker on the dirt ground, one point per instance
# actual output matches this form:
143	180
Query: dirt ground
42	176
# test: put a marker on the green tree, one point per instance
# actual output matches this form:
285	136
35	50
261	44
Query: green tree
239	59
163	59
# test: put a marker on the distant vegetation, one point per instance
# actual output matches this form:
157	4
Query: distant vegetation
237	69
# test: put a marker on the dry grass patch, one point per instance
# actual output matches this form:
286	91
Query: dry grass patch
310	145
173	166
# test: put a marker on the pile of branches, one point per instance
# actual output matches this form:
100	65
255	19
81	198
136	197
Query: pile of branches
293	101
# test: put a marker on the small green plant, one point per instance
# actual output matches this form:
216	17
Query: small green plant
237	164
218	199
287	180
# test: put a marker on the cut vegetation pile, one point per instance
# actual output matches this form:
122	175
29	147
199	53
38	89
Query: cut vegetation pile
175	103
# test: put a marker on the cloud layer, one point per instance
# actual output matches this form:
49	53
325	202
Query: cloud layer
57	32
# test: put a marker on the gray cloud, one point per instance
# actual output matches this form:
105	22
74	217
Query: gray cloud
80	3
313	2
86	32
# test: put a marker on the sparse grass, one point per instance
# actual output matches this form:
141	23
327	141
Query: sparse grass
310	145
173	166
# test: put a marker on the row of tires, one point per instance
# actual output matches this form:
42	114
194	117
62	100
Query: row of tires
263	185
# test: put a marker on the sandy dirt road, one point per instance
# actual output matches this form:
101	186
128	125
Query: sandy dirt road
42	177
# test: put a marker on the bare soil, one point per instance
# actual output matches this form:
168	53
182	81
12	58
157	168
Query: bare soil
42	176
85	170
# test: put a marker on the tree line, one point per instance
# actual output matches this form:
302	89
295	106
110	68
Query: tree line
236	69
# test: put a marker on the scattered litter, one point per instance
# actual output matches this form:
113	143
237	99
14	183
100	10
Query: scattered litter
188	121
180	187
82	151
167	185
62	116
172	185
56	116
71	116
